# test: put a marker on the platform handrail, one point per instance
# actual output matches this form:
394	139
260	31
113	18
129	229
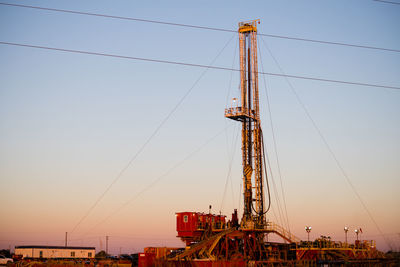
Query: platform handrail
285	234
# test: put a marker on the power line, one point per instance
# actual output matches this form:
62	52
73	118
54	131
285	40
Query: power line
203	27
200	65
330	42
388	2
117	17
148	139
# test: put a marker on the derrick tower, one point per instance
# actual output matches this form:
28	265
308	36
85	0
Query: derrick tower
213	241
210	237
247	111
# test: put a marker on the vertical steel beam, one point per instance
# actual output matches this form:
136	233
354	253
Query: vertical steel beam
251	129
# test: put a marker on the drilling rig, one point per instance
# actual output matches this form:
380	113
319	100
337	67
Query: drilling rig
213	241
248	113
209	236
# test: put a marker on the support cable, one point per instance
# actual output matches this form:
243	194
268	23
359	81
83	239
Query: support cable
234	143
230	178
229	175
148	139
198	65
280	212
339	165
159	178
205	27
233	137
274	142
231	75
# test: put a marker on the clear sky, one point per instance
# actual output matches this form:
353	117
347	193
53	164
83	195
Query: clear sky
69	123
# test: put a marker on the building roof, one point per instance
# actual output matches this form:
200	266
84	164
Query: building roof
55	247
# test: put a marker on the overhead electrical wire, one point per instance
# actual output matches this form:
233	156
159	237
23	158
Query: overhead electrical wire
330	150
197	65
149	139
388	2
202	27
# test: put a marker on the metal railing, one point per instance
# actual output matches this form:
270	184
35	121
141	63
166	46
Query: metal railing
249	22
239	111
273	227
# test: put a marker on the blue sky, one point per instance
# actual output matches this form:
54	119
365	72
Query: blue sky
70	123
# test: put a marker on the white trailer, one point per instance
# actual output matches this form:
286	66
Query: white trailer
52	252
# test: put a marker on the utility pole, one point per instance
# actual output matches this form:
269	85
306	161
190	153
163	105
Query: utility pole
66	239
107	245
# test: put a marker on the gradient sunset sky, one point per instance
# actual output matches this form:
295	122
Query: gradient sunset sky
71	123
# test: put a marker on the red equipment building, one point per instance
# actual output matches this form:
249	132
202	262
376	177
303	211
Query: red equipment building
193	226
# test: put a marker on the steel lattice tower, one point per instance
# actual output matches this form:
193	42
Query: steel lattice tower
248	113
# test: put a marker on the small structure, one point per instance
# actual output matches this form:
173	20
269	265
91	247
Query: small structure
153	255
192	226
55	252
